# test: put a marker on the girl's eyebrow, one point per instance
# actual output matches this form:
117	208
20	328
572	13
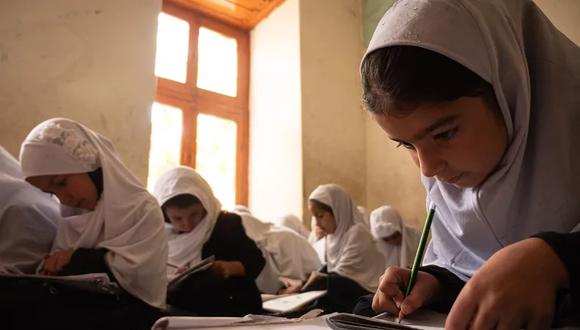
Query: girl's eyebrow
424	132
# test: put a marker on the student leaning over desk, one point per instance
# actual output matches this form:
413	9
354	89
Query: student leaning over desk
484	95
198	228
110	224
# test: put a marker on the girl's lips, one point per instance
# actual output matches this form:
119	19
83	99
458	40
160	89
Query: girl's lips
453	179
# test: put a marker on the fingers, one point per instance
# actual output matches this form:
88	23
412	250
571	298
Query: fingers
389	292
50	265
462	312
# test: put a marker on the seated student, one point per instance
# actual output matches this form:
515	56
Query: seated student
28	220
288	255
317	239
198	228
111	224
484	95
397	242
353	263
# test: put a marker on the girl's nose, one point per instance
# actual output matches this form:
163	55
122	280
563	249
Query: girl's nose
430	162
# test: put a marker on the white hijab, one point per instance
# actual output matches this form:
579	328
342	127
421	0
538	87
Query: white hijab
293	222
182	180
386	221
286	252
9	165
535	73
350	250
28	219
126	221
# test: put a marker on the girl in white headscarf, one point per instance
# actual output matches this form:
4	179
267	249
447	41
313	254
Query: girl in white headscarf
484	94
197	229
28	220
353	264
288	255
110	222
396	241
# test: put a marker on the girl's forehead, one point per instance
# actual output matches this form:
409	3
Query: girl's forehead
418	122
41	181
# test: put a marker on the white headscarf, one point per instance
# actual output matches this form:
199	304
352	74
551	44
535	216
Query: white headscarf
241	209
28	219
536	187
386	221
126	221
286	252
350	250
9	165
182	180
292	221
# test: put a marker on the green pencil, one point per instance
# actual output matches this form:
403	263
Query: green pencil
420	252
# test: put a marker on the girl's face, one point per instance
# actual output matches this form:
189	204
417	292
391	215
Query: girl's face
395	239
74	190
325	223
187	218
459	142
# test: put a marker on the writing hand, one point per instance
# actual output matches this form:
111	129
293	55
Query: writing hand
390	294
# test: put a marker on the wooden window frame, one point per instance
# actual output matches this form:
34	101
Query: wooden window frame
193	101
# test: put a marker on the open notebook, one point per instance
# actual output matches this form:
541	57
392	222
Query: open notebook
93	282
250	320
292	302
198	267
422	319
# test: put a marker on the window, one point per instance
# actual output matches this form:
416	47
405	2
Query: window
200	118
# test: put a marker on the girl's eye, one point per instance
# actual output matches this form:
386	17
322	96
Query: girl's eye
447	135
60	182
405	145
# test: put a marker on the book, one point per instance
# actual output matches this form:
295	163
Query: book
200	266
292	302
250	320
422	319
92	282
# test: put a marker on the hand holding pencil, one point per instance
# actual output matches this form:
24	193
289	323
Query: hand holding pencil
402	291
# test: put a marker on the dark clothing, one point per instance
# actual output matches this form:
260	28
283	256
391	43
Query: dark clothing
567	247
34	304
342	294
204	293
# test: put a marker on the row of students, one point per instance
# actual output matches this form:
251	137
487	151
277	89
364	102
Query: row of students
68	160
112	225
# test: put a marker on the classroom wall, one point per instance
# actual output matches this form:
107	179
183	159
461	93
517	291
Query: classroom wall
89	61
333	123
275	157
306	124
565	14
